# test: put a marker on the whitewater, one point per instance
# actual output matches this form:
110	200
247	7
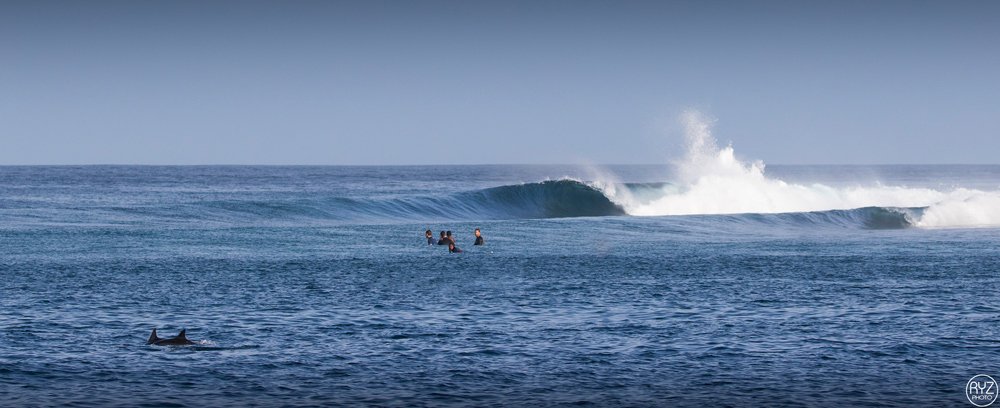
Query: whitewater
711	180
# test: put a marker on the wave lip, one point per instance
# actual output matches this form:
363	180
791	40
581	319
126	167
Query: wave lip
547	199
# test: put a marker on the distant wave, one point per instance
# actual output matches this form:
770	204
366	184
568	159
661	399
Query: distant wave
559	199
546	199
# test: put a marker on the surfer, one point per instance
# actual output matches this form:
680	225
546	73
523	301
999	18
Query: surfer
479	238
454	249
450	238
443	240
430	237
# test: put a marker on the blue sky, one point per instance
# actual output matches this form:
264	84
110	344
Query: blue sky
371	82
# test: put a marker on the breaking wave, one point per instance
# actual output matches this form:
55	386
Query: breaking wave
708	184
558	199
711	180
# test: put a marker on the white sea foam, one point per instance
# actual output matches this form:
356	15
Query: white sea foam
976	210
712	180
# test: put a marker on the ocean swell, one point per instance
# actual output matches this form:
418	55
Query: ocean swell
546	199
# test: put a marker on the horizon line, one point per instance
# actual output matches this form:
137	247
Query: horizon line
456	164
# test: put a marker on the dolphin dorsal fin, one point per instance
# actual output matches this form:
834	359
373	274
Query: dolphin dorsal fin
182	334
152	337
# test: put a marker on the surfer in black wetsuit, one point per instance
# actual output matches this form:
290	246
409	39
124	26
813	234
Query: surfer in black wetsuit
454	249
449	237
443	240
430	237
479	238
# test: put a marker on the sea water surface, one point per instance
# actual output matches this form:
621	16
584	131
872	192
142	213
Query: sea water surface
714	284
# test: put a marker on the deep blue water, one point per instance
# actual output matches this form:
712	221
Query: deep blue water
314	286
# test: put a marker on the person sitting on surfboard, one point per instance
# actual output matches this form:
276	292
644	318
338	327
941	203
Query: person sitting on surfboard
479	238
449	237
454	249
430	237
443	240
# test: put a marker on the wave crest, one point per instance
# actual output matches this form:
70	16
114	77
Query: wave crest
546	199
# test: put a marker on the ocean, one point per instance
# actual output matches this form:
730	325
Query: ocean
710	281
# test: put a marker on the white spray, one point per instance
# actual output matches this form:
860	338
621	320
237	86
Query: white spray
711	180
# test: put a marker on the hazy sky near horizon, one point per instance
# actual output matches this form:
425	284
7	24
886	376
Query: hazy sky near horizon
465	82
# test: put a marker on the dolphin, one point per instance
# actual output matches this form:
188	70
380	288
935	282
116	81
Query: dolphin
180	340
